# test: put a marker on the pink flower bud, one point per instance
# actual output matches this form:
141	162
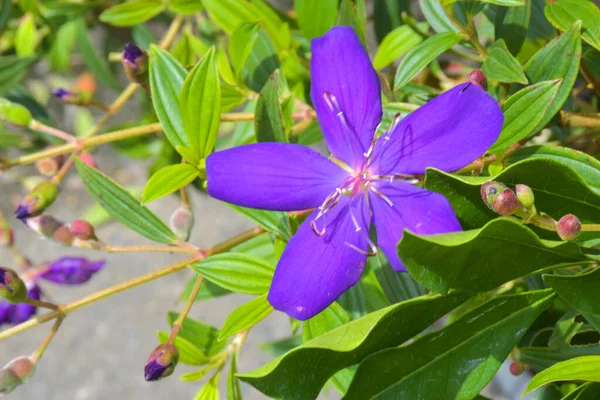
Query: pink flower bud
568	227
88	159
15	373
506	203
477	77
516	368
83	230
181	222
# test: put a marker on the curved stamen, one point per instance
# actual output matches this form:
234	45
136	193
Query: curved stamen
381	195
352	138
330	201
365	235
385	137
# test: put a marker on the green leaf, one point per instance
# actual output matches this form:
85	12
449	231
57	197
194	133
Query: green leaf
188	353
353	301
541	358
436	16
505	3
564	13
523	112
208	290
315	17
200	104
62	47
238	272
482	259
558	190
167	180
466	353
349	15
397	286
577	369
559	59
97	64
122	206
12	71
302	372
234	392
166	79
185	7
230	14
395	44
273	221
511	24
132	12
423	54
587	391
210	391
5	11
387	16
501	66
188	155
201	335
25	40
268	117
246	316
580	291
330	318
585	165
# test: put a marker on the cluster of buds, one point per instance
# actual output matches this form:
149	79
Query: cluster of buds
37	201
181	222
15	373
135	63
79	234
76	97
504	201
14	114
161	362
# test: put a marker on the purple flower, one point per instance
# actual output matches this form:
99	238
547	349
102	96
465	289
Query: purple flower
14	314
367	179
65	95
72	270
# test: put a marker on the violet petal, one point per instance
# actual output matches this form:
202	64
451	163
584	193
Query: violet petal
345	93
418	210
315	270
22	312
72	270
272	176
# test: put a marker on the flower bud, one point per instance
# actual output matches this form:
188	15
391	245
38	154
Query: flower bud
22	312
83	230
12	288
43	225
161	363
525	195
40	198
7	237
76	96
477	77
72	270
181	222
88	159
49	166
499	198
14	114
568	227
15	373
516	368
135	63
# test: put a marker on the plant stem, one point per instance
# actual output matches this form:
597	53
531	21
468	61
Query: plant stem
188	306
591	120
590	227
38	303
589	76
38	126
102	294
150	248
40	351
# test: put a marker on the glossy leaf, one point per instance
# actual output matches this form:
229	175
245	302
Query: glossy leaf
511	25
238	272
201	335
25	37
200	105
564	13
273	221
132	12
246	316
122	206
559	59
585	165
166	80
315	17
395	44
268	117
423	54
167	180
501	66
523	111
436	16
541	358
482	259
332	317
396	286
465	355
580	291
558	190
577	369
188	353
303	371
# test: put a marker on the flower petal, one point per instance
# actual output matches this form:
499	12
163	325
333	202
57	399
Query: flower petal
346	94
447	133
22	312
272	176
72	270
419	210
315	270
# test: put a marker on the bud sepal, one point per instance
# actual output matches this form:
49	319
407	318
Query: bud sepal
161	363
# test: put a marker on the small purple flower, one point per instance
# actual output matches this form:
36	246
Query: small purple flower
65	95
14	314
72	270
135	62
132	53
368	179
161	362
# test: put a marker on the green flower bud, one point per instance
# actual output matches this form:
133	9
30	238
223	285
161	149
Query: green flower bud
525	195
14	114
36	202
12	288
15	373
568	227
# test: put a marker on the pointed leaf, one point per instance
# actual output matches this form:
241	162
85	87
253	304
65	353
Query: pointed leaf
511	25
564	13
230	14
246	316
122	206
188	353
315	17
501	66
578	369
201	335
167	180
268	117
132	12
395	44
96	63
273	221
580	291
436	16
332	317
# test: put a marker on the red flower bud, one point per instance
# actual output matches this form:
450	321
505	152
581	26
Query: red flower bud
477	77
516	368
568	227
83	230
499	198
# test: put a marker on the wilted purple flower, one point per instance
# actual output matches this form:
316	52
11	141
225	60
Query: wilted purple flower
72	270
368	179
